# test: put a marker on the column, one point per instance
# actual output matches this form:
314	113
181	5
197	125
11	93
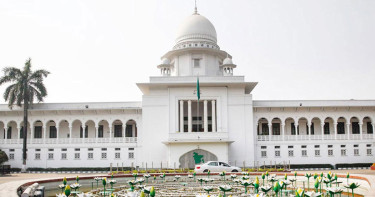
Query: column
205	116
44	130
32	134
213	118
123	126
57	133
181	116
373	130
283	130
6	133
110	133
70	134
322	127
96	133
83	132
189	117
335	129
348	130
270	131
360	130
133	130
309	129
19	136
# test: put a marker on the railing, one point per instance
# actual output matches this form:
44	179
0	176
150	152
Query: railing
314	137
71	140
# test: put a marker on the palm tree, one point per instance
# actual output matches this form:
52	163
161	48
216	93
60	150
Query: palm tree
26	86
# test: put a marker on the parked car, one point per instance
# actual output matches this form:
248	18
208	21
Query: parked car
216	166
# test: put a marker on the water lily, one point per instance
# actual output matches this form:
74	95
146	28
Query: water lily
315	175
308	175
62	187
132	182
256	195
201	180
190	176
329	175
225	188
285	177
112	182
223	175
208	189
237	181
245	177
208	173
266	188
333	191
147	176
246	183
64	181
135	175
142	194
245	173
313	194
276	188
256	184
300	192
177	177
152	191
233	176
67	190
316	185
140	181
352	186
75	186
263	177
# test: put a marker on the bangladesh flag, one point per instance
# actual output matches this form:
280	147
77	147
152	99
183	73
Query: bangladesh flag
198	89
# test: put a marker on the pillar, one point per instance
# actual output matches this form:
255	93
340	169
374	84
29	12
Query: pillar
360	130
270	131
348	130
189	117
133	130
110	133
97	133
309	129
335	129
70	133
32	134
322	127
57	133
213	118
83	132
205	117
44	130
373	130
123	126
181	116
283	130
6	133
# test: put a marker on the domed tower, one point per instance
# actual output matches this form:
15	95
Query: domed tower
196	52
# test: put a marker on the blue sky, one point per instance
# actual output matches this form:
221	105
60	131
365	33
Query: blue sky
97	50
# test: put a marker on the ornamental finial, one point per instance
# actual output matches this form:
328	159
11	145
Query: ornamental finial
195	10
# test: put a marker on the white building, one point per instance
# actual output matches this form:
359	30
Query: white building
166	127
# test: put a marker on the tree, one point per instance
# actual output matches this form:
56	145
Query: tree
25	86
3	157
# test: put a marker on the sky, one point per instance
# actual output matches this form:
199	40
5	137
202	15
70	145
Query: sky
97	51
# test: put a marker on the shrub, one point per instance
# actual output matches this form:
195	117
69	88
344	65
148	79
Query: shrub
3	157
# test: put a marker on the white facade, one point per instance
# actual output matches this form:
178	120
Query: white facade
166	124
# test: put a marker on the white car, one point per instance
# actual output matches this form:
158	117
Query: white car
216	166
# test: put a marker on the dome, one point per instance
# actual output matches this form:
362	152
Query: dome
165	61
196	28
227	61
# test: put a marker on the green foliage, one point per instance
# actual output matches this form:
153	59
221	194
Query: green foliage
3	157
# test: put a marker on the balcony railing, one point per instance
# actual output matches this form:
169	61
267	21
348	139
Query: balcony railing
314	137
71	140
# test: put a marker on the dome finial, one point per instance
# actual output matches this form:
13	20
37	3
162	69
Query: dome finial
195	9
